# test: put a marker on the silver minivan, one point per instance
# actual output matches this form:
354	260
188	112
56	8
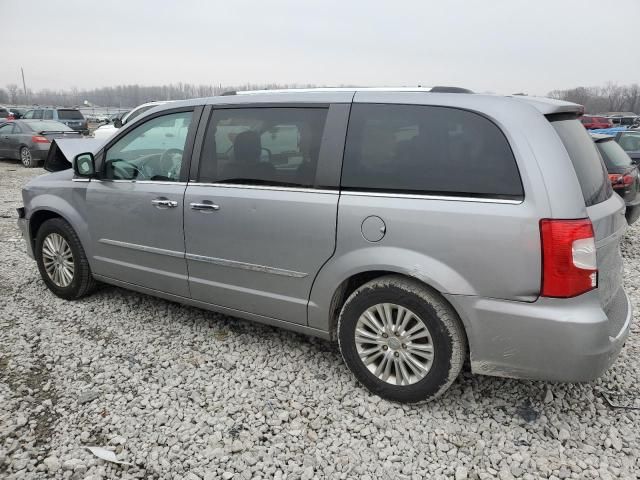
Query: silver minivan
418	228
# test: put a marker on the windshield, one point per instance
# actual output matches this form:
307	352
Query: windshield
630	141
70	115
587	163
613	155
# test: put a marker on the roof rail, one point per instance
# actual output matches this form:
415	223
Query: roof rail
419	88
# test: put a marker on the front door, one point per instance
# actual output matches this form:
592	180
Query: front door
136	209
257	228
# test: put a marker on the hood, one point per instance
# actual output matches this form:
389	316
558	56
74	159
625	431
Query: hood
64	150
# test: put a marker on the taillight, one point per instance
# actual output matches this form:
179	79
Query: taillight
569	266
39	139
620	181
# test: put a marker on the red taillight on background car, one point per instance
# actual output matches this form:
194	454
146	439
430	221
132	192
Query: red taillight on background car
619	180
569	266
39	139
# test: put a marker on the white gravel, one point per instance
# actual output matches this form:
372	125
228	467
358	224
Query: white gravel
183	393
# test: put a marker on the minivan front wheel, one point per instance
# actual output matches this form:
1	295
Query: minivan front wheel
401	339
61	260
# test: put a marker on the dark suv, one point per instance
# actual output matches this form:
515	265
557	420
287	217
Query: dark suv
71	117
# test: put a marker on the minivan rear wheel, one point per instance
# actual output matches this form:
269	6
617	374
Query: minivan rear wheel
401	339
61	260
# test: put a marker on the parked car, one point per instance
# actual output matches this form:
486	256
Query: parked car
16	113
432	228
71	117
29	140
4	114
623	174
591	122
629	140
106	131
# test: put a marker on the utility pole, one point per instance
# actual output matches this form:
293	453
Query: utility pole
24	85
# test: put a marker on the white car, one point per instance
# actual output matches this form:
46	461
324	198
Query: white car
106	131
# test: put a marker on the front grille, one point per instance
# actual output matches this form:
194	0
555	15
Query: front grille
617	312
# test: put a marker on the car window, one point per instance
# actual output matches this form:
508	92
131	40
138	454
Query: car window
151	151
70	115
5	129
48	115
586	161
424	149
29	114
4	113
37	114
263	146
630	141
612	154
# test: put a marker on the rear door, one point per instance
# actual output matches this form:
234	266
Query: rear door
606	212
260	219
6	131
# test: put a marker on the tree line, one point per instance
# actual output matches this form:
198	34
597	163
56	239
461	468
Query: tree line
123	96
608	98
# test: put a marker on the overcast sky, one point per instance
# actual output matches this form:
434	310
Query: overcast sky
503	46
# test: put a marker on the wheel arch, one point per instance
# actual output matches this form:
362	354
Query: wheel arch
52	207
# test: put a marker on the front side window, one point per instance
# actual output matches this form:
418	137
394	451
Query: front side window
29	114
424	149
263	146
48	115
37	114
151	151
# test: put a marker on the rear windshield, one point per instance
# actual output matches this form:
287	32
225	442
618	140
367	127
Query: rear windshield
613	155
49	126
70	115
589	168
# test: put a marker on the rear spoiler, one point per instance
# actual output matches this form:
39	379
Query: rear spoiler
63	151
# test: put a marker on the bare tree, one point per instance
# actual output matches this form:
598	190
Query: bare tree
4	96
13	92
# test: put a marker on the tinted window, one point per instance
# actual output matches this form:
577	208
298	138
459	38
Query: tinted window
263	146
630	141
151	151
70	115
613	155
37	114
589	168
422	149
48	115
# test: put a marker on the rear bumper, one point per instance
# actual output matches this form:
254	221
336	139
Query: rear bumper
566	340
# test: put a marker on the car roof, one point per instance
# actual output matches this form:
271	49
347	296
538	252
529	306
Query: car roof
544	105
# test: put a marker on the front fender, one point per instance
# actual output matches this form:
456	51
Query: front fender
375	258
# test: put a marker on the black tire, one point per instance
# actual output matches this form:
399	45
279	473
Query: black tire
444	325
26	157
82	282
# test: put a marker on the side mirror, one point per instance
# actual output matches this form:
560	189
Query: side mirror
117	123
84	165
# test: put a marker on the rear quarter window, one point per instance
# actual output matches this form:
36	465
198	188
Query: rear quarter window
430	150
589	168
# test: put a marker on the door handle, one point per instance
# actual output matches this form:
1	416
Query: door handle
164	203
207	207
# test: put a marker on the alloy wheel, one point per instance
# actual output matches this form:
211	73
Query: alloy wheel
394	344
58	259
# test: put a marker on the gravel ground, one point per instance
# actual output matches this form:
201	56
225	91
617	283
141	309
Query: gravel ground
181	393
